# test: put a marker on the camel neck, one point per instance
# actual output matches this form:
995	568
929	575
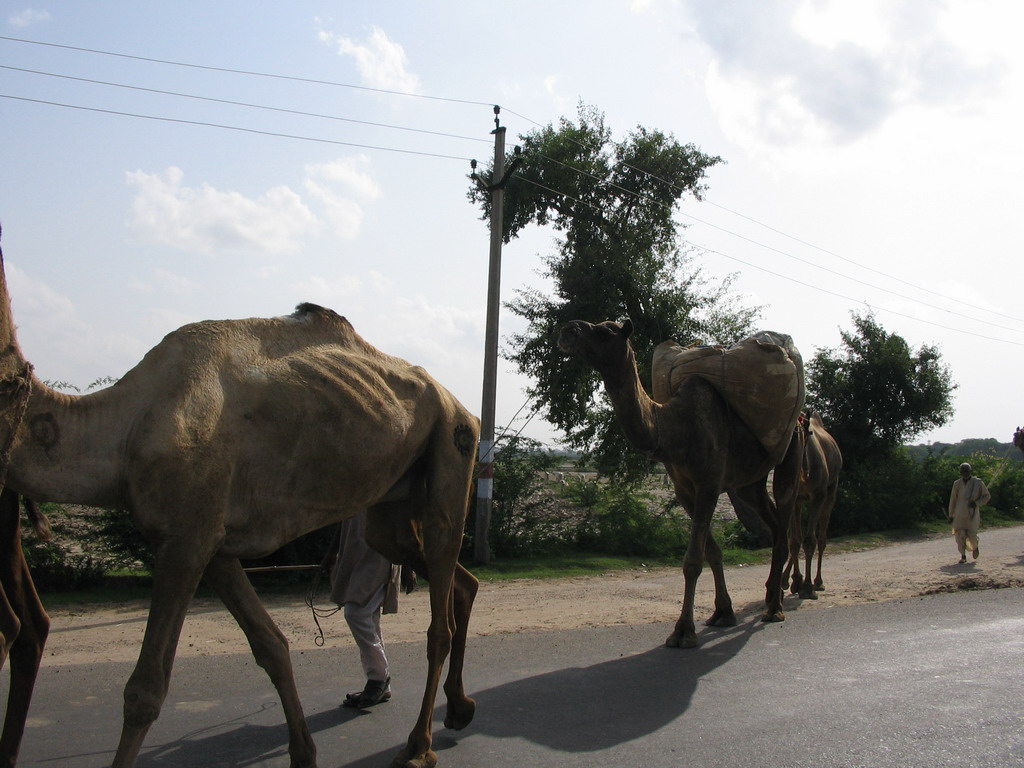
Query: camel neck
66	448
635	410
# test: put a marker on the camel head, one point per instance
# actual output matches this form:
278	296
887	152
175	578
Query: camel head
605	346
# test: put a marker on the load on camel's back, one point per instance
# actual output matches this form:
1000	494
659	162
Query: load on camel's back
755	376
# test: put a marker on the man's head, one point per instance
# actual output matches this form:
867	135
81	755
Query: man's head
965	470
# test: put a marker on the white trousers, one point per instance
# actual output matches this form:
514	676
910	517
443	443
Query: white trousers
364	622
965	539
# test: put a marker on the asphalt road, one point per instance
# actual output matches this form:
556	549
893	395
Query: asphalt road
930	682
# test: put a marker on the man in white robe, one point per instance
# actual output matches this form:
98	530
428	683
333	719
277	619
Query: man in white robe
966	499
366	585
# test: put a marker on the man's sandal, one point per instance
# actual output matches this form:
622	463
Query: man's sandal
375	692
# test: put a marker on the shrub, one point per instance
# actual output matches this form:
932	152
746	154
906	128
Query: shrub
622	521
883	492
54	569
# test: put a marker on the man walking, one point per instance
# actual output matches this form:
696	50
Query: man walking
969	494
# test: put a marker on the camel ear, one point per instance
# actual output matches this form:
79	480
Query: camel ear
627	327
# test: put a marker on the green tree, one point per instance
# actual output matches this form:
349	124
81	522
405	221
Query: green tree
875	395
618	254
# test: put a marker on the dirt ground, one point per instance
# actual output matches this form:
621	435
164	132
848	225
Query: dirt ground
642	596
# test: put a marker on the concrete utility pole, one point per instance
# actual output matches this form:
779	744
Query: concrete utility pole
485	474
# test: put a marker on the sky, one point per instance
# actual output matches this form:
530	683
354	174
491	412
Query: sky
165	163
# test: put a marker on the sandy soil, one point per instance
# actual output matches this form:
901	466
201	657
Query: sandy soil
642	596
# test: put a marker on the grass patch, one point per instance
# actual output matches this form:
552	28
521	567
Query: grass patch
561	566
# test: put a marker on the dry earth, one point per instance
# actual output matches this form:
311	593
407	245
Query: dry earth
643	596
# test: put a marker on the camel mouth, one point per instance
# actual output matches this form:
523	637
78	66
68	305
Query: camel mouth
568	338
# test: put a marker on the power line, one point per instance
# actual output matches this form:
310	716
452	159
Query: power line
233	128
850	298
429	154
848	277
243	104
228	70
796	280
755	242
858	264
803	242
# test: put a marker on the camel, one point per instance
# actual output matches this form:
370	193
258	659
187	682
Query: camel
706	449
24	624
819	481
231	438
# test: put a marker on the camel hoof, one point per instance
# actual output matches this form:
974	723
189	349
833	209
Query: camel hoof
819	585
722	619
808	594
426	760
771	617
459	715
679	640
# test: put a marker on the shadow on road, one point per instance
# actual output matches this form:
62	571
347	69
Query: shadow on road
568	709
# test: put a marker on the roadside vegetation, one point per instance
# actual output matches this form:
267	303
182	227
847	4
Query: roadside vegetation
551	519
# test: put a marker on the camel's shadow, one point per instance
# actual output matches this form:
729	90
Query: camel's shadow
234	743
567	710
564	710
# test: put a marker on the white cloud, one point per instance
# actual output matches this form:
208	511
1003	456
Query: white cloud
562	104
207	220
168	282
28	17
49	322
787	73
334	294
382	63
343	207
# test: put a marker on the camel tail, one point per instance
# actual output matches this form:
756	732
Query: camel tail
40	522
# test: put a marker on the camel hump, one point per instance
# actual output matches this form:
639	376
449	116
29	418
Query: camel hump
306	309
761	377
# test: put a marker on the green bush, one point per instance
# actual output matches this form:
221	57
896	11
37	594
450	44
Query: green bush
54	569
899	491
883	492
520	524
622	521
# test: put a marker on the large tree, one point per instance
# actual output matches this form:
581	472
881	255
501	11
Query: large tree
617	254
875	394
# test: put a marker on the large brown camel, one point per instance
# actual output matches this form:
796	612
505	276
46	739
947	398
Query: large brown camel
24	624
706	449
819	483
231	438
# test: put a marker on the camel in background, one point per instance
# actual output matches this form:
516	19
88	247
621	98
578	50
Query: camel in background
706	449
231	438
819	482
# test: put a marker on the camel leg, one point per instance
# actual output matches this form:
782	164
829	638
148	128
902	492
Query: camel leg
176	576
785	488
461	708
25	655
685	633
417	752
826	514
269	648
793	563
723	616
809	544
